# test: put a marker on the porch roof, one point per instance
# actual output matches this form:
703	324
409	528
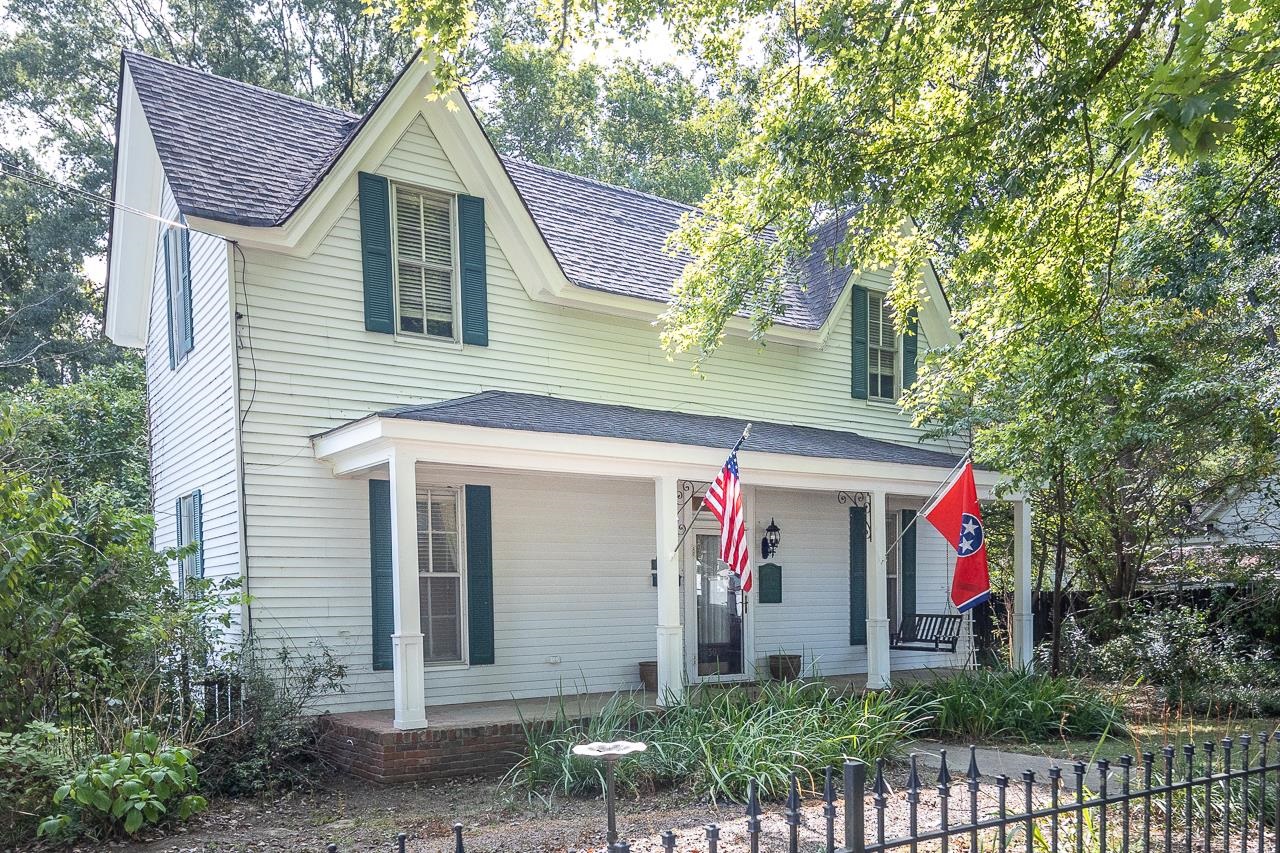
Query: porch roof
538	413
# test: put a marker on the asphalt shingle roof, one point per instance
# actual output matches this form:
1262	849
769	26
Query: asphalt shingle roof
249	156
537	413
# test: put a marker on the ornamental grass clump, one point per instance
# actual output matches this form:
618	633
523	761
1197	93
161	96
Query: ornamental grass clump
718	740
1015	704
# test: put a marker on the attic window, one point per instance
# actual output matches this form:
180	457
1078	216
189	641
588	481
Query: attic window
422	228
882	349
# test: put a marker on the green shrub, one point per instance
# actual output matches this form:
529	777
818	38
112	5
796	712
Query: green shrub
270	744
1019	704
33	762
717	740
145	782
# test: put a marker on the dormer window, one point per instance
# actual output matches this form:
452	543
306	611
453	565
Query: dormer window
882	349
425	281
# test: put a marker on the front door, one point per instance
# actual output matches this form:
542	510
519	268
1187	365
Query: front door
719	611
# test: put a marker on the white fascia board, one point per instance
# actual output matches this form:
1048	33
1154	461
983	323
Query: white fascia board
365	443
138	182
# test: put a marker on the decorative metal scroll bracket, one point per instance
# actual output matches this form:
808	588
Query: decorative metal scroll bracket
688	491
859	499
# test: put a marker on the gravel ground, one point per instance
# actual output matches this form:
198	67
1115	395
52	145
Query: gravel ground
357	815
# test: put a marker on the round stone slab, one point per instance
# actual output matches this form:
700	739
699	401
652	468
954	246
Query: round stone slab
616	749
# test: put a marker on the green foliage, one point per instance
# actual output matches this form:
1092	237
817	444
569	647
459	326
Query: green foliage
648	127
33	763
88	436
270	745
1019	704
717	741
146	782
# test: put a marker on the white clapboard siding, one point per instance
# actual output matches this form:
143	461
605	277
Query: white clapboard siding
813	618
309	365
192	410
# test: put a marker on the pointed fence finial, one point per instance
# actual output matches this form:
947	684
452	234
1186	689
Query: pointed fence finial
880	787
944	774
913	778
973	773
793	802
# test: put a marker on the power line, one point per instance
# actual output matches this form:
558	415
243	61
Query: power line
36	179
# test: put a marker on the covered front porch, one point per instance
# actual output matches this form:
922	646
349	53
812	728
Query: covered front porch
537	546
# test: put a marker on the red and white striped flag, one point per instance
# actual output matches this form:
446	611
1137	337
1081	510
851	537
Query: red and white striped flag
724	499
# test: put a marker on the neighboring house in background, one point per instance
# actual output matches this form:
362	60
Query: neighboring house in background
1246	518
411	392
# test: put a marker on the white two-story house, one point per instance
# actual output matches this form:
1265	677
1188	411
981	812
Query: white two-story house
411	392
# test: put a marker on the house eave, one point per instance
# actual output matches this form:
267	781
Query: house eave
352	449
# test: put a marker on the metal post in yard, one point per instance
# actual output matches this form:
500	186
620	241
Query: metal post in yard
457	839
855	785
609	753
402	838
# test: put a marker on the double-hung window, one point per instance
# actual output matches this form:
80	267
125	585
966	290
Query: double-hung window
893	571
882	349
188	508
425	276
441	572
177	276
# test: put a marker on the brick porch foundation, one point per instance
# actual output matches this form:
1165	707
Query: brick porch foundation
368	746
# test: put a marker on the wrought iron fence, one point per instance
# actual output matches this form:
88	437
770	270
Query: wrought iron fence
1175	801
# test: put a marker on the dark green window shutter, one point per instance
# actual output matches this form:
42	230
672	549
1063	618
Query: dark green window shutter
169	285
907	553
184	264
375	250
770	583
182	568
910	347
857	576
475	296
858	363
381	572
197	525
480	574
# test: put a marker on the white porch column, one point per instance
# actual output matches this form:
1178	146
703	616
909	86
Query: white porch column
1023	636
407	660
670	634
878	598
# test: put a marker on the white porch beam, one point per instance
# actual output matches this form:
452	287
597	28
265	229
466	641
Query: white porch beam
1023	637
670	633
408	669
878	598
349	449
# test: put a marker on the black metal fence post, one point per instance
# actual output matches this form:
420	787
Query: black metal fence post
855	785
829	809
792	816
713	838
401	840
753	816
457	839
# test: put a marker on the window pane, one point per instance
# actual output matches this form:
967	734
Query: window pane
444	511
424	262
444	552
410	278
438	285
440	603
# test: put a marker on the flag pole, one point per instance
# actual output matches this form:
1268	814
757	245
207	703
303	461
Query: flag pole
746	433
947	479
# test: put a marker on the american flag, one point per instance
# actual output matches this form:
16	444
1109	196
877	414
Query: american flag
724	499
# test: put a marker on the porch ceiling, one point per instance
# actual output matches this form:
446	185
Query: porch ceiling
535	432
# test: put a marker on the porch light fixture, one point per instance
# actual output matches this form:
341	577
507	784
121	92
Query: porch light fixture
772	539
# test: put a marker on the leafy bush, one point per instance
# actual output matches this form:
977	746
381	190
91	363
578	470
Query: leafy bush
1019	704
33	762
270	745
719	740
145	782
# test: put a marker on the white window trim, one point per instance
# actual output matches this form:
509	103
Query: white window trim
455	288
464	625
187	564
175	299
893	562
883	295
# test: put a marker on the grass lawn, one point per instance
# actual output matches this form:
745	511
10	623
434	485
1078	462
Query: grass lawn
1152	734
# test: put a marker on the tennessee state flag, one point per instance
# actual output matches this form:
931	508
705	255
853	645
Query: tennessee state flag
957	515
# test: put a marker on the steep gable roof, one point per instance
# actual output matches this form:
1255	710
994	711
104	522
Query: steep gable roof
244	155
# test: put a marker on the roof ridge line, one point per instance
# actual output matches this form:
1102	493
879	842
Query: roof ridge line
241	84
596	181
